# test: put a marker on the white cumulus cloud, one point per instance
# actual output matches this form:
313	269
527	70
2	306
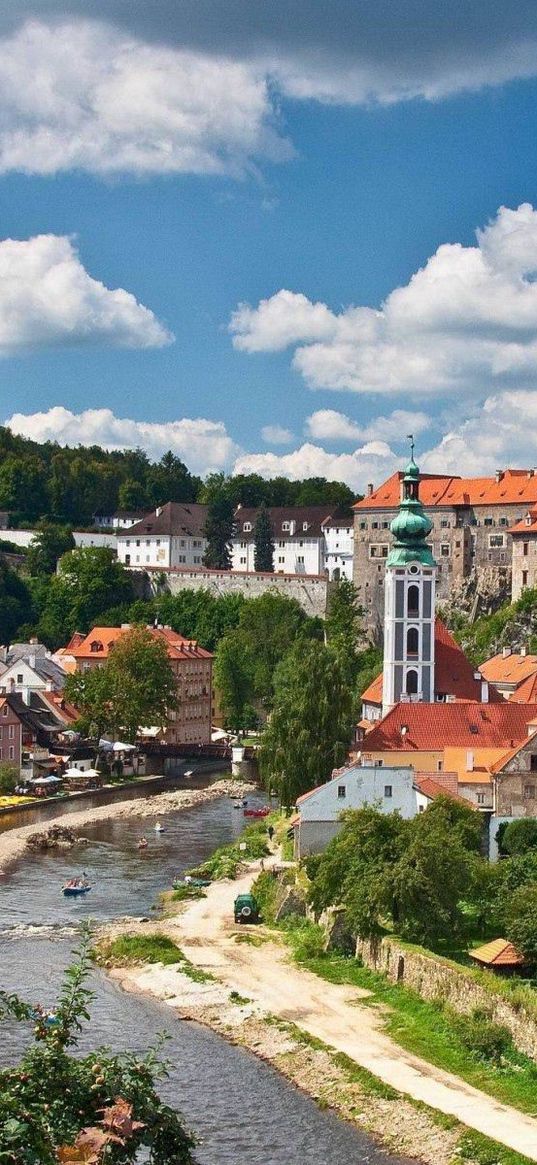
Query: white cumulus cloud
276	435
466	322
204	445
372	461
47	297
83	95
329	425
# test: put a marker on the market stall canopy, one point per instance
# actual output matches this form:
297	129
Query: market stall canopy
119	747
82	773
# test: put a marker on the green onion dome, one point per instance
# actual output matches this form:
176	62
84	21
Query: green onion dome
411	526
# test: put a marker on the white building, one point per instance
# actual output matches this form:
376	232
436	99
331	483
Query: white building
121	520
319	812
338	532
33	674
307	540
171	536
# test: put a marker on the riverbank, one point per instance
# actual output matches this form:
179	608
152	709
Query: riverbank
13	842
326	1038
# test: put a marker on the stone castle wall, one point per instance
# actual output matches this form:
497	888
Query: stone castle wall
311	591
437	979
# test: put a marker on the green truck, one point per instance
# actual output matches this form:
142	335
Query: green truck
246	908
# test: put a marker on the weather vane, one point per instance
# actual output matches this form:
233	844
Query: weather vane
410	437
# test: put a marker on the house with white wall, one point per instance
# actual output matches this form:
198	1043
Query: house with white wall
318	817
307	540
170	536
338	533
120	520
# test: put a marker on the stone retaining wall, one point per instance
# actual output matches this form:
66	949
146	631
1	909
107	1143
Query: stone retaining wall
436	979
310	590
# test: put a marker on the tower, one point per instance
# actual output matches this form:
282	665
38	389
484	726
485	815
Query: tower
409	600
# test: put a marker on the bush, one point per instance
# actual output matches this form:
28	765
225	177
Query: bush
307	938
266	888
520	836
226	860
488	1040
9	778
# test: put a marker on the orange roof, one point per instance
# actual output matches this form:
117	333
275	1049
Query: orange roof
431	789
484	759
453	672
498	953
97	644
526	693
515	487
434	727
528	525
507	756
508	669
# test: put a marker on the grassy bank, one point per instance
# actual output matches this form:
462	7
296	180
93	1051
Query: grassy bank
128	950
472	1047
227	859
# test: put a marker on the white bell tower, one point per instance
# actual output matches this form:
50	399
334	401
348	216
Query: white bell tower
409	601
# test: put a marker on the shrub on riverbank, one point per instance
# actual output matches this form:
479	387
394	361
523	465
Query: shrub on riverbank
129	949
226	861
55	1106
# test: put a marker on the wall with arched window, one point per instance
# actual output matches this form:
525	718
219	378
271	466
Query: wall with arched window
413	600
411	682
412	641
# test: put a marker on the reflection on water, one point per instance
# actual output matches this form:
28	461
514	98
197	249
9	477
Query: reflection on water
242	1111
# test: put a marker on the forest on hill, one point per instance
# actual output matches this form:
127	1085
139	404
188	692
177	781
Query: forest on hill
72	485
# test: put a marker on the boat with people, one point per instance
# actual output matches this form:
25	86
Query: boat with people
75	887
263	812
143	843
159	828
240	804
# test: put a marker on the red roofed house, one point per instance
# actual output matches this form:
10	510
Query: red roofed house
190	723
513	674
472	522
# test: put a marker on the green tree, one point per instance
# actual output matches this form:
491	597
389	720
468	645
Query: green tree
56	1106
23	485
520	836
352	871
171	481
343	624
310	727
219	532
233	683
521	920
133	495
263	542
16	605
89	581
9	779
200	615
48	545
91	694
137	687
268	628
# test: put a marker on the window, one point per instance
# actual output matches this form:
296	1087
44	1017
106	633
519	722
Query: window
247	527
480	798
243	545
20	678
363	525
374	525
385	525
137	541
158	541
439	766
11	752
412	641
341	791
128	542
525	549
445	549
444	524
147	557
524	578
529	791
503	521
496	540
286	525
533	763
300	558
304	525
300	543
488	522
183	543
243	561
387	790
148	542
413	600
11	732
281	545
5	710
281	558
412	683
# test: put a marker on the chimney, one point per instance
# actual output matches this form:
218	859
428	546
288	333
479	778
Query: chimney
31	659
292	527
523	651
34	640
484	692
469	762
369	488
530	473
506	651
498	476
158	511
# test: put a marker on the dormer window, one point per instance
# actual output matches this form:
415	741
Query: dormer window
96	645
304	525
247	527
286	525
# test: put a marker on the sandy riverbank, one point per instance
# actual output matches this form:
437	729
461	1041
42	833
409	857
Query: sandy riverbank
289	1009
13	841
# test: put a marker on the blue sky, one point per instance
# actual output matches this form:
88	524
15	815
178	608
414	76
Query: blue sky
306	170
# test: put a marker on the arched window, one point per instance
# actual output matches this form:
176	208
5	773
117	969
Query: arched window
412	683
412	641
413	601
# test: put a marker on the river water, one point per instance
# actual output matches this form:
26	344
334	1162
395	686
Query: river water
241	1110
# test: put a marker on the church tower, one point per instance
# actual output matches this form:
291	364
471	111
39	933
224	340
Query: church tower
409	601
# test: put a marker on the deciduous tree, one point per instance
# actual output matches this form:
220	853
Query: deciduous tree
48	545
263	542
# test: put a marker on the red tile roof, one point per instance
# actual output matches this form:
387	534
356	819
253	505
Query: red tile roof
498	953
433	727
528	525
509	669
526	693
515	487
431	789
454	674
178	647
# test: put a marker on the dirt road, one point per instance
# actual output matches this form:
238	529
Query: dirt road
332	1013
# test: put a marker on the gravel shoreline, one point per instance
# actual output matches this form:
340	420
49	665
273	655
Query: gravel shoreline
13	843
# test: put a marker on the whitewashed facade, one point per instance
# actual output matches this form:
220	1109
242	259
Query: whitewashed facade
171	536
307	540
319	812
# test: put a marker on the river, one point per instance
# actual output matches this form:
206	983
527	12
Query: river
241	1110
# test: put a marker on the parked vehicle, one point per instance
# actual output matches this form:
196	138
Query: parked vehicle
246	908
